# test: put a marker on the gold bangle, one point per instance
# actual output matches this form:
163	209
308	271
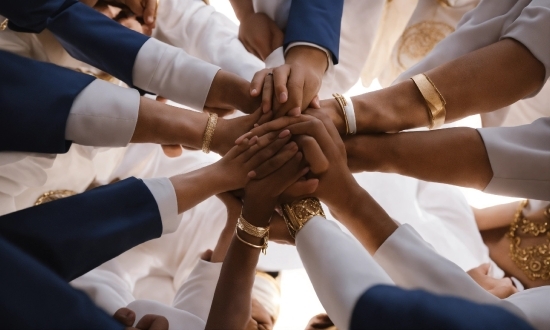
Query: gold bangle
342	102
433	98
250	229
157	8
298	213
262	247
209	132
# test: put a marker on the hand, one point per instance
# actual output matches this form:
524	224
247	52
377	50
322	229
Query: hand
127	317
228	130
295	84
260	35
320	321
147	9
502	288
229	91
261	196
332	110
278	230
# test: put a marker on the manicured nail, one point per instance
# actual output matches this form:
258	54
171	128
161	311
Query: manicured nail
304	171
265	108
254	92
253	140
150	19
256	125
282	97
252	174
284	134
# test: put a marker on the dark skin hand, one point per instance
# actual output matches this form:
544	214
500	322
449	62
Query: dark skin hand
127	318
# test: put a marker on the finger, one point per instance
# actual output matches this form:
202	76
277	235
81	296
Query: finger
267	93
153	322
280	79
295	86
329	126
273	163
484	268
172	150
266	117
238	149
301	189
274	125
262	142
135	6
314	128
125	316
150	12
312	153
257	83
315	104
290	172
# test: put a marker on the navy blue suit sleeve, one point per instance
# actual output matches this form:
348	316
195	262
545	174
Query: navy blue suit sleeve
33	297
35	101
317	22
73	235
86	34
390	307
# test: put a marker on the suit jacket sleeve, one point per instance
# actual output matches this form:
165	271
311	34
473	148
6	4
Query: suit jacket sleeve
72	236
35	297
317	22
36	100
520	159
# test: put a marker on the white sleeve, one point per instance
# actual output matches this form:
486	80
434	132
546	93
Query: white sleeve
106	286
103	115
520	159
197	292
177	319
531	28
165	196
172	73
339	268
534	304
413	264
204	33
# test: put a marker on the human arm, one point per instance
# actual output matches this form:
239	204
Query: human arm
237	275
482	81
141	61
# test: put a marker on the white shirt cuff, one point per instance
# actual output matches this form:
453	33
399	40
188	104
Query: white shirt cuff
165	195
103	115
301	43
172	73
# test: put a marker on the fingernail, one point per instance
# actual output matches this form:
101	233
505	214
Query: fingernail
305	170
150	19
253	140
282	97
251	174
284	134
254	91
256	125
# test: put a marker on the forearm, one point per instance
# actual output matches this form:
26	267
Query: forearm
231	307
229	91
194	187
496	216
481	81
164	124
455	156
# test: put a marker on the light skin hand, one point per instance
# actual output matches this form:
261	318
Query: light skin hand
295	84
502	288
260	35
229	91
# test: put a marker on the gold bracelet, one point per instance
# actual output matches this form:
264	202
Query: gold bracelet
209	132
298	213
262	247
342	102
4	24
433	98
250	229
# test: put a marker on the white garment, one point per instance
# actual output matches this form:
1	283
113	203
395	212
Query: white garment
525	21
341	270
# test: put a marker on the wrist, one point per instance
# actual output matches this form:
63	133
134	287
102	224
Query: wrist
258	211
310	57
348	201
335	113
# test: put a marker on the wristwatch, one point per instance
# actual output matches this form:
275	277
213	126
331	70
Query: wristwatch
297	213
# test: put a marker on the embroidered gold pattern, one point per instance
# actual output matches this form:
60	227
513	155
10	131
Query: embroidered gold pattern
53	195
533	260
419	39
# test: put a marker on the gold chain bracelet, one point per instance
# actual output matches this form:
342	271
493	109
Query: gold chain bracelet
209	132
